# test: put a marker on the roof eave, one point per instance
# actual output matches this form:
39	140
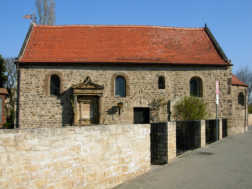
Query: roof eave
216	44
27	37
240	85
150	63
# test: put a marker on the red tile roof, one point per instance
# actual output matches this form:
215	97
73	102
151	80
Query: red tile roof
114	44
236	81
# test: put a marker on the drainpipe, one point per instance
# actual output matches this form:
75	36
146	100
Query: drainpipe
245	117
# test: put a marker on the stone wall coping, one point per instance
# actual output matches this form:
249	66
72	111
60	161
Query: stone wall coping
174	121
49	132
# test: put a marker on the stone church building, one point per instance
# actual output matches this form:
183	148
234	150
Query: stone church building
88	74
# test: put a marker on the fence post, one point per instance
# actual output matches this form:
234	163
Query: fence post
203	133
171	141
220	129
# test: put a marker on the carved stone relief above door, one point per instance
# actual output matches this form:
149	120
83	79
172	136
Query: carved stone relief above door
86	102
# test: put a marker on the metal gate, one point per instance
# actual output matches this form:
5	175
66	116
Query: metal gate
159	143
224	128
211	135
187	135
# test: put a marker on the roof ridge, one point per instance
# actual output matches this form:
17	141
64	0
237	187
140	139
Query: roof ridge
119	26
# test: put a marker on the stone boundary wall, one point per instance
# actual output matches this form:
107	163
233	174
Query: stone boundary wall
249	119
73	157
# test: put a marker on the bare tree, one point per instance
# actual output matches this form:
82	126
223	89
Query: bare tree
11	85
245	75
3	77
46	12
11	72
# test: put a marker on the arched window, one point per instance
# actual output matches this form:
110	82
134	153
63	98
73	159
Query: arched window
120	86
196	87
55	85
161	82
241	99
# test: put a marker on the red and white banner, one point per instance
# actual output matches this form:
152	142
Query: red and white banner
217	92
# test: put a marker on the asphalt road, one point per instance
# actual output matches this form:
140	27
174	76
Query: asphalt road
226	164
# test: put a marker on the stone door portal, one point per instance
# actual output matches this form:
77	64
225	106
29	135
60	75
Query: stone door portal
88	110
86	102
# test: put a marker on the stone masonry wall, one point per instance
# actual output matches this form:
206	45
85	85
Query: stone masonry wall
38	109
250	119
240	113
73	157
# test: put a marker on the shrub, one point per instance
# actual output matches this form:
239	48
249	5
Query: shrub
190	108
250	108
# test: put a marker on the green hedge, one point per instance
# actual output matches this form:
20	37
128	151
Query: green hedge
250	108
190	108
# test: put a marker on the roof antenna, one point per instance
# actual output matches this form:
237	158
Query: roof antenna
31	17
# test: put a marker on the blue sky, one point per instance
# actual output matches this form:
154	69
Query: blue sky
229	20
